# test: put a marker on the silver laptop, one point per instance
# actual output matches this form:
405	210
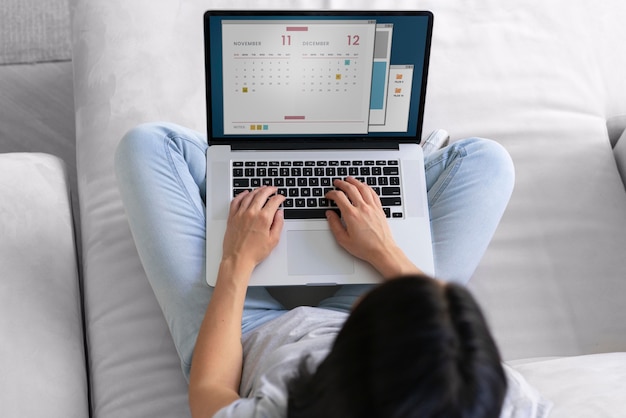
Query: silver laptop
296	99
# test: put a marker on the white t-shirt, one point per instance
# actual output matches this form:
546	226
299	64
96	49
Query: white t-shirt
273	352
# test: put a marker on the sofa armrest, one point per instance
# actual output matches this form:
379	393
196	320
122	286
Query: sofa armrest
42	355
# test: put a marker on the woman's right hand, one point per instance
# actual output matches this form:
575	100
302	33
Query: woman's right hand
365	232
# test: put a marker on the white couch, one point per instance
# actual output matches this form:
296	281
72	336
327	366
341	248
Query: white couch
545	79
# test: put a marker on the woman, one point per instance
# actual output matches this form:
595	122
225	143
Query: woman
413	346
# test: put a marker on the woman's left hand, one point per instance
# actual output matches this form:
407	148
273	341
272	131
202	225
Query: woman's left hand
254	226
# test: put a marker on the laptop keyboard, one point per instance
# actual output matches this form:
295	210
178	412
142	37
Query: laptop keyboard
305	183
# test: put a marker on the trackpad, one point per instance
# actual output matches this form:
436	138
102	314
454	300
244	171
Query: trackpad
316	253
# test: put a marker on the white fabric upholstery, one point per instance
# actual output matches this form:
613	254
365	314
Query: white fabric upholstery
581	386
42	357
542	78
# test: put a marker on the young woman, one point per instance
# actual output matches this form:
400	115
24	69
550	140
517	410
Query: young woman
412	346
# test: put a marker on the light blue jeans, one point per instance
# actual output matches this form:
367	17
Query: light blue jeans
161	171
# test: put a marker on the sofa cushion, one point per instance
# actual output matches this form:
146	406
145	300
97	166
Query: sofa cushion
42	357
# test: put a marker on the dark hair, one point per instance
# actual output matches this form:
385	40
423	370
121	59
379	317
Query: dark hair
413	347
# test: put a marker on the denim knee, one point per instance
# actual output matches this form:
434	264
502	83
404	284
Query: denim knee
496	164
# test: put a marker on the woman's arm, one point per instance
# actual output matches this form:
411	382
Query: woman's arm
253	231
365	232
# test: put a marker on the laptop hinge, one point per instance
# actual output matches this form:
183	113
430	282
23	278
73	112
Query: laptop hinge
314	145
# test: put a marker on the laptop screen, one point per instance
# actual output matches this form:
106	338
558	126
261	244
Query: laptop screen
316	75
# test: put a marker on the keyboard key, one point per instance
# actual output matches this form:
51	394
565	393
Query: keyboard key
241	183
307	213
391	201
390	171
391	191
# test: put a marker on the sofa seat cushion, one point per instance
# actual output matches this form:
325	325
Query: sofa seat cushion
42	357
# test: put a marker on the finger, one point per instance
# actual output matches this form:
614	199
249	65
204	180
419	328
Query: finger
364	190
235	204
351	187
336	227
350	191
274	202
340	198
375	198
261	195
277	225
248	198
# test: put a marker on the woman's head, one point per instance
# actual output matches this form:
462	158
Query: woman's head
413	347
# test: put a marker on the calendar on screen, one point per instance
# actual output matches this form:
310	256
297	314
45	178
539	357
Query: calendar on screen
286	77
